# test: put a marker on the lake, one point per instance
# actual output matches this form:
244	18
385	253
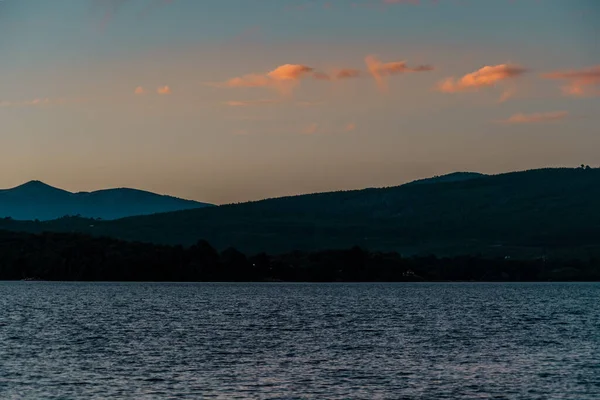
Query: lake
292	341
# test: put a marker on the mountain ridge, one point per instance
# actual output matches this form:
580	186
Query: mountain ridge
36	200
521	213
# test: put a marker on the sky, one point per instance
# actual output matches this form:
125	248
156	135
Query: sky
234	100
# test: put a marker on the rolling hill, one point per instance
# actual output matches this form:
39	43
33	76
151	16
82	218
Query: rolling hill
518	214
37	200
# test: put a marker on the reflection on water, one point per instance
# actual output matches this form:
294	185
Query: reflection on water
334	341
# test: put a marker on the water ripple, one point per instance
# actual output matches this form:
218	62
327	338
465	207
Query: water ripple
292	341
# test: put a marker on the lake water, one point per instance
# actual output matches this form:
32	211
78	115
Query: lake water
288	341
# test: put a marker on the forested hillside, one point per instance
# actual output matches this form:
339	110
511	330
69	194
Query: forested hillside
76	257
523	214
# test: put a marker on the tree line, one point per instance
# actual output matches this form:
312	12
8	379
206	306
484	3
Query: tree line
78	257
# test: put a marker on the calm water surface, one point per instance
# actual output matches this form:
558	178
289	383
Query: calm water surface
288	341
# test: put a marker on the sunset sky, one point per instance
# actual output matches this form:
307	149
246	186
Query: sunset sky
232	100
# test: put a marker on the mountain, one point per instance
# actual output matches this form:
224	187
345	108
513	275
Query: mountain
37	200
525	214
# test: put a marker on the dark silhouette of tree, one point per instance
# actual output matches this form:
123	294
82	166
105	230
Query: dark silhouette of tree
72	257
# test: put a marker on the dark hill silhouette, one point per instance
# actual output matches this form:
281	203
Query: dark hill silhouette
37	200
518	214
453	177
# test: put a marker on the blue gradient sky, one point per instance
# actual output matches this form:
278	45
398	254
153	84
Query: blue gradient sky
69	115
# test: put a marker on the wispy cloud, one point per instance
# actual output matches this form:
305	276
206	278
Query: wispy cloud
380	70
582	82
139	90
338	74
316	128
310	129
164	90
248	103
485	77
26	103
306	103
508	94
38	102
521	118
249	81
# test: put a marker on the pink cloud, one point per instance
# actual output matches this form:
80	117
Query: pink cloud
582	82
380	70
483	77
536	117
351	126
139	90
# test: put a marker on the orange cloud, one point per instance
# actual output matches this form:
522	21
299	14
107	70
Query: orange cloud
380	70
139	90
484	77
163	90
346	73
350	127
249	81
311	129
581	82
536	117
284	78
289	72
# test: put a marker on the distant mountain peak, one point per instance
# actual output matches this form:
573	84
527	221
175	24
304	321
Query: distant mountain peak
35	183
36	186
